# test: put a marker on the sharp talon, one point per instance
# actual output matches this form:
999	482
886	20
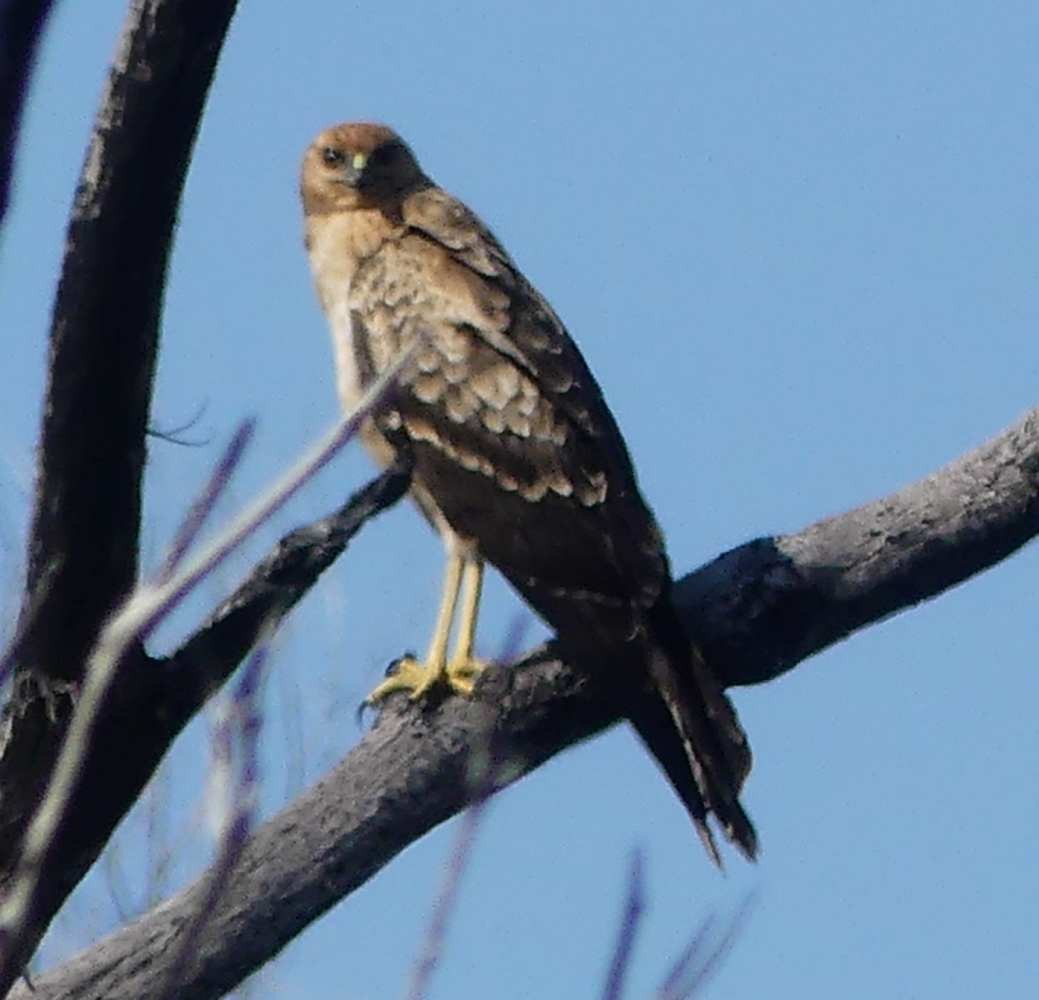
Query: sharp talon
394	665
422	681
408	674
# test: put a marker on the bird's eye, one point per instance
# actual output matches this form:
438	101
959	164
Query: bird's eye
332	156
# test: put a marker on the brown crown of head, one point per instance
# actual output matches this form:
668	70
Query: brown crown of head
358	165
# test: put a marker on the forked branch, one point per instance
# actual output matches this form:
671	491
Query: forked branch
760	609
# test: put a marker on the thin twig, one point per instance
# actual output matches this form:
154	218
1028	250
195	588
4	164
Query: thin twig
132	624
672	984
631	918
241	725
175	435
694	968
433	946
267	503
197	515
486	771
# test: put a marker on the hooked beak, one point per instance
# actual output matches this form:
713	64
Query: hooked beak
353	169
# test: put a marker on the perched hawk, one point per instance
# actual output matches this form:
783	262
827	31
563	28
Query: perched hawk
518	460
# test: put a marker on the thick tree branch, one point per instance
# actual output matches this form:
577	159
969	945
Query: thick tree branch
271	590
83	543
152	700
82	556
105	326
765	606
762	608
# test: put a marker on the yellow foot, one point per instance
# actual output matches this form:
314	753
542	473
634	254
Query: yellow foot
419	679
409	675
462	673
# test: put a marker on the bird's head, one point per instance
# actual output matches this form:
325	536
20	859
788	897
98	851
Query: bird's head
358	165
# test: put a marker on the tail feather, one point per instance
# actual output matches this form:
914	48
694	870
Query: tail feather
656	728
692	730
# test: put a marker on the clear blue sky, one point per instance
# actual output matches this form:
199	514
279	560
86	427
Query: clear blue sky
798	244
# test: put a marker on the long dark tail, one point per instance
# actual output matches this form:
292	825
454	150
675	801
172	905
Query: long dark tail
693	732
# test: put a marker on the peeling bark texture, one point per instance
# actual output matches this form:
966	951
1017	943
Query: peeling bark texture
762	607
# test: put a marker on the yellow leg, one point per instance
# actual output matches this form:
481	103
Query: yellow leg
413	676
464	668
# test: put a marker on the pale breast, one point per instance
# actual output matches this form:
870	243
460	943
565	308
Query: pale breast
339	246
333	267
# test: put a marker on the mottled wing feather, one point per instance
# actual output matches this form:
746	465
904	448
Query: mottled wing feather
504	415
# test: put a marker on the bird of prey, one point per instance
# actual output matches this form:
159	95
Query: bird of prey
517	459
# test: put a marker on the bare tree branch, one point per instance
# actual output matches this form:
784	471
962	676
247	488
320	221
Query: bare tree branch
631	918
762	608
432	951
150	701
702	957
240	723
83	545
271	590
765	605
105	325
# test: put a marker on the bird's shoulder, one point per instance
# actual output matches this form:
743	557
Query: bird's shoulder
458	230
515	320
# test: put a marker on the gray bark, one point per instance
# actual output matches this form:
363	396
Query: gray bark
759	610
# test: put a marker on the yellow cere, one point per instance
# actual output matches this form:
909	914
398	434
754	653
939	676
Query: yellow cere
359	160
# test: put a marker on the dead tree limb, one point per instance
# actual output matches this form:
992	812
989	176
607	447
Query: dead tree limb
152	700
83	544
762	608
